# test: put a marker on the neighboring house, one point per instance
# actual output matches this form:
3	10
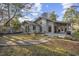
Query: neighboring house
47	27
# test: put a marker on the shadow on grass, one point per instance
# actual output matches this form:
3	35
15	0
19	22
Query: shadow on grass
29	50
16	41
33	50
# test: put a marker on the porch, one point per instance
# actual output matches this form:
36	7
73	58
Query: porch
62	28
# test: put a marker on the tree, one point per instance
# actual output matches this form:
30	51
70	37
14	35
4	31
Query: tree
9	10
15	23
53	16
70	15
77	17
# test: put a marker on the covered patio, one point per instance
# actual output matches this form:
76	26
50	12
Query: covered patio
62	28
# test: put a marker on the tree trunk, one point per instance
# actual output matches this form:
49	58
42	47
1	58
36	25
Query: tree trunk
9	19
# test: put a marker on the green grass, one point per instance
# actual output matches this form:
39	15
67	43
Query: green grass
55	47
20	37
76	34
32	51
52	48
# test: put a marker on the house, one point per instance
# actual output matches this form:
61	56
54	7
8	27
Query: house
28	27
46	26
43	25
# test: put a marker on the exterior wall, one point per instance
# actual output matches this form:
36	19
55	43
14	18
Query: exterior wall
23	29
37	29
30	29
51	24
43	24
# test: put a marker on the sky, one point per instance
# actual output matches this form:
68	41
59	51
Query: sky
40	8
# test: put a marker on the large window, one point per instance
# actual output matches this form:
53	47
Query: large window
49	29
34	27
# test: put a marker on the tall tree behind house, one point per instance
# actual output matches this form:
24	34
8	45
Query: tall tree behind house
53	16
71	15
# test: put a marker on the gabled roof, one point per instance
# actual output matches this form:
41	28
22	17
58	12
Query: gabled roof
40	18
30	23
62	22
27	22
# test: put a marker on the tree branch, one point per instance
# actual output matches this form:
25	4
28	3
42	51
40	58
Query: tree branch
11	18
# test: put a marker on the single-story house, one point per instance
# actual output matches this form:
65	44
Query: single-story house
47	27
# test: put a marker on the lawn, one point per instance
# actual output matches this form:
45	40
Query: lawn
54	47
76	34
19	37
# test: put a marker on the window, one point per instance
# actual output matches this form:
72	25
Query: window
34	27
40	29
27	28
49	29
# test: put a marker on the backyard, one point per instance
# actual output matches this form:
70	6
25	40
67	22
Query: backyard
13	45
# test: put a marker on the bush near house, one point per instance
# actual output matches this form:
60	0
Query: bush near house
76	35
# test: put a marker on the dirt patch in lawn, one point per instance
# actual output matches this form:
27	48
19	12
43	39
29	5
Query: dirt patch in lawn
71	46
